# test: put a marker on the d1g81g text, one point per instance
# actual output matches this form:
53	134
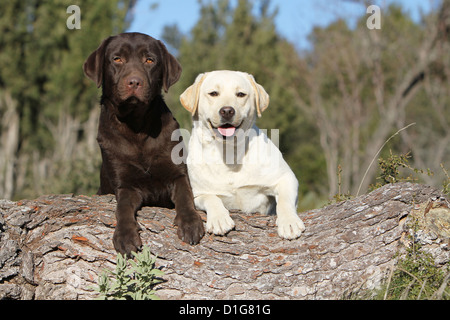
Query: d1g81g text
246	309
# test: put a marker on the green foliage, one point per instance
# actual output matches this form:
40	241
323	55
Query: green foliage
42	69
356	80
416	276
43	58
390	169
132	280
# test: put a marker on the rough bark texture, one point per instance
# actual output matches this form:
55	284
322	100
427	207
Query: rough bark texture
56	246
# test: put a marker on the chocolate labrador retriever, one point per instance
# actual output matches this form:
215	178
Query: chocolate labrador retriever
134	135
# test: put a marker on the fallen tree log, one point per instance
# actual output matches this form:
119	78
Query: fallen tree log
56	246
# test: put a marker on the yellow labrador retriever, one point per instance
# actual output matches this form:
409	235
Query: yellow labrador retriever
232	164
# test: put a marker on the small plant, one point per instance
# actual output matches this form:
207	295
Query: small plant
378	152
133	280
390	170
390	167
446	183
339	197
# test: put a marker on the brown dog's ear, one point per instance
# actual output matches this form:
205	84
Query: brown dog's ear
261	96
189	98
93	66
172	68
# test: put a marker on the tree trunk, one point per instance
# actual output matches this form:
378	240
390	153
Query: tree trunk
55	247
9	143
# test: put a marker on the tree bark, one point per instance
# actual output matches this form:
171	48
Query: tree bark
56	246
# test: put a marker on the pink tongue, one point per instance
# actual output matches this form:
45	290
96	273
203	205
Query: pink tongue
227	132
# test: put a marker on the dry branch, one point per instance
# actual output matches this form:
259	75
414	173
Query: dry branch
56	246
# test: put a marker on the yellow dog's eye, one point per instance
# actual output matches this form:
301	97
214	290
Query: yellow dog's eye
149	61
241	95
214	94
118	59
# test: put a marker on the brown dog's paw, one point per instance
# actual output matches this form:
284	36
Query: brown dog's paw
126	239
190	227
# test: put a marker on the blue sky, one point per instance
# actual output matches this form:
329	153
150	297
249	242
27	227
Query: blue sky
295	20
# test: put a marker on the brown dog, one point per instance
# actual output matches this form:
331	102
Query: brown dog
134	135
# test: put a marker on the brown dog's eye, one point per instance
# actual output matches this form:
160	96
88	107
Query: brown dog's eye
149	61
118	59
214	94
241	95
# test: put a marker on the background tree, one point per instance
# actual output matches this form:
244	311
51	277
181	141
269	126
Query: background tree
359	86
48	107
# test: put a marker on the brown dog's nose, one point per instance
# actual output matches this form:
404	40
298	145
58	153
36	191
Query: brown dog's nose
227	112
133	82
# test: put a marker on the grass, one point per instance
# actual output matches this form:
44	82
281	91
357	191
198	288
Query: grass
414	276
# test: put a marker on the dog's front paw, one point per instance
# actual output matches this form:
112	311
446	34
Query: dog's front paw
190	228
290	227
219	224
126	239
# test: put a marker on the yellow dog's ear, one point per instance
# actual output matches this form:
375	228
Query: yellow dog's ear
261	96
189	98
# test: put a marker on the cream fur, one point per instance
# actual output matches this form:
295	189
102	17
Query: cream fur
249	176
